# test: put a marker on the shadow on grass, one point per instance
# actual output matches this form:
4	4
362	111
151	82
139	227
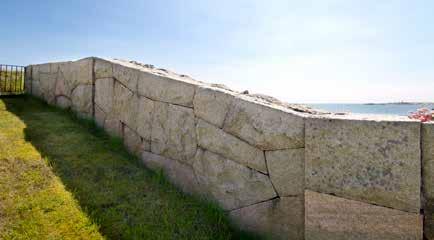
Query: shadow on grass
123	198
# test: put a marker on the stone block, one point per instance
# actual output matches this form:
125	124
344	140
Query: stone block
145	112
281	218
212	104
230	184
47	86
266	127
332	218
216	140
126	75
103	68
179	174
63	102
104	94
81	99
100	116
428	159
124	105
173	132
286	169
377	161
134	143
166	89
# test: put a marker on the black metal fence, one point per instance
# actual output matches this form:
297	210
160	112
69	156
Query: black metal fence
11	79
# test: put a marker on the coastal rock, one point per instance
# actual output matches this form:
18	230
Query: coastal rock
333	218
173	132
218	141
212	104
286	168
281	218
232	185
265	127
367	160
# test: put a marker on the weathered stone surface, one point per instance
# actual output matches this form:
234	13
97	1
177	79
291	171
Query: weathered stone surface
43	68
82	71
166	89
126	75
103	68
134	143
100	116
428	159
144	117
47	85
113	126
212	104
63	102
173	132
281	218
333	218
36	89
429	219
218	141
268	128
286	168
81	99
179	174
124	105
104	94
373	161
232	185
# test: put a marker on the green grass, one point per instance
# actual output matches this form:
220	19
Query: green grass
11	81
63	178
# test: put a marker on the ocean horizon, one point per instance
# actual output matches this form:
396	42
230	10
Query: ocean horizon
402	109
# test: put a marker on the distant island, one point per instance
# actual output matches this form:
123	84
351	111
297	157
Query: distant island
400	103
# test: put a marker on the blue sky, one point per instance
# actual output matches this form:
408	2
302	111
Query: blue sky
298	51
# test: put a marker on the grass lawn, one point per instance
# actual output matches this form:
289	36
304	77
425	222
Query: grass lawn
62	178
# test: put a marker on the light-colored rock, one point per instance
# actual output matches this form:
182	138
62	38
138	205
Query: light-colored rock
286	168
47	85
82	71
428	160
166	89
281	218
125	105
81	98
63	102
373	161
266	127
333	218
104	94
144	117
127	76
216	140
179	174
103	69
428	212
43	68
36	89
134	143
113	126
173	132
212	104
232	185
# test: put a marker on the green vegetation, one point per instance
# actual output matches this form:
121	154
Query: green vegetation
11	81
63	178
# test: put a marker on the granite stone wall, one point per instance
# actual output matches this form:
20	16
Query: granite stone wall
278	169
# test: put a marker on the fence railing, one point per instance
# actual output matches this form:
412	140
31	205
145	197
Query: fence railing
11	79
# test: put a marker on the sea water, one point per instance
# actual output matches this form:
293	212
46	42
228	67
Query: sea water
402	109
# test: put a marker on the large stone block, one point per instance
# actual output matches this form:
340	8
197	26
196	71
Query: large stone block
216	140
286	168
124	105
332	218
428	159
212	104
145	112
134	143
63	102
372	160
232	185
47	86
179	174
281	218
81	99
173	132
103	68
104	94
126	75
266	127
165	89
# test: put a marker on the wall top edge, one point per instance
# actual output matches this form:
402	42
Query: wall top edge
299	110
